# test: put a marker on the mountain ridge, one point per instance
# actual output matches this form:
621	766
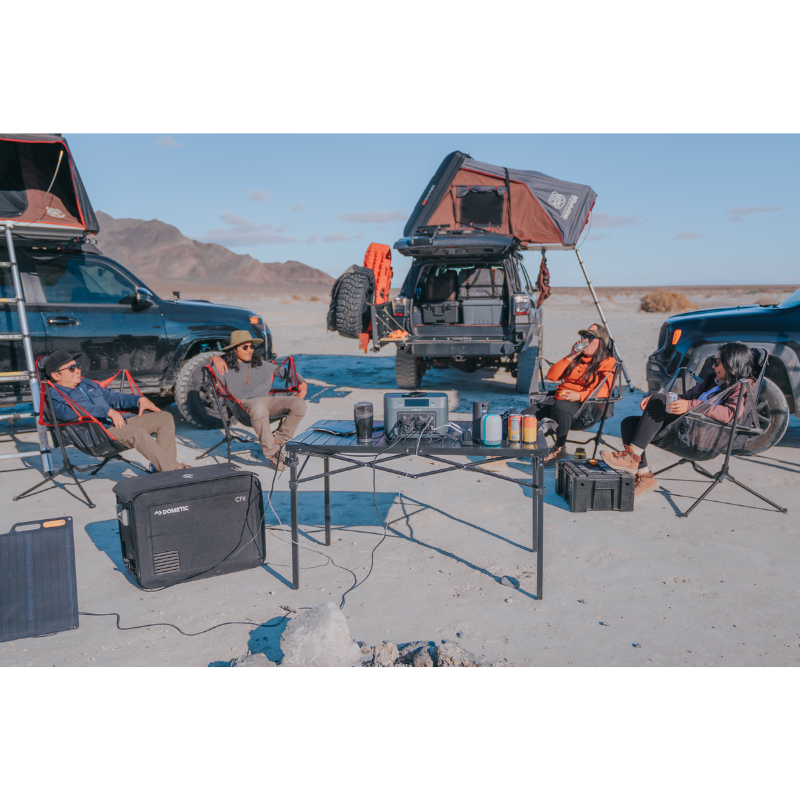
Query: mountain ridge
159	251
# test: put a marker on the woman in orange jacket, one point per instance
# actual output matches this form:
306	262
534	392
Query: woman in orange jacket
580	373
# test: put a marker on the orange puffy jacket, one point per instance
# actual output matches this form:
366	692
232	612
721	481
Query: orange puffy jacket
574	377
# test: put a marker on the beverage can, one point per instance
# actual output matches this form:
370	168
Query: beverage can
515	427
672	397
529	423
581	345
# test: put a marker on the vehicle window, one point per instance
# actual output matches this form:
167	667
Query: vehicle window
6	283
792	300
79	280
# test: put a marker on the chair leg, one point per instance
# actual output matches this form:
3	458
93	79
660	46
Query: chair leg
759	496
64	469
101	465
212	449
702	497
677	464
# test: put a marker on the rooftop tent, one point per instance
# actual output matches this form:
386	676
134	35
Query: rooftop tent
534	207
40	188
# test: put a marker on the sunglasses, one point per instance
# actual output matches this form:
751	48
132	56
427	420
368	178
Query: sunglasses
589	337
715	362
247	347
71	368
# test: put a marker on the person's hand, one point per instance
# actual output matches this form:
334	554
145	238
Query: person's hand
116	418
568	394
220	367
146	405
645	401
678	407
302	390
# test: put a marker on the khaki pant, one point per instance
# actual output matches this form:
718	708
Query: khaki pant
261	409
161	453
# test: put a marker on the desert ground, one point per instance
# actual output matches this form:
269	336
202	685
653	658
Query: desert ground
645	588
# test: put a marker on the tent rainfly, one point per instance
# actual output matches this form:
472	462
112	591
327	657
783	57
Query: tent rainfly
40	188
534	207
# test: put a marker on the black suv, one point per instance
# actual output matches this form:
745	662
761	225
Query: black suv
690	340
82	301
467	302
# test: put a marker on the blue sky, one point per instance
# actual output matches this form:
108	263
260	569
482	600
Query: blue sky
671	209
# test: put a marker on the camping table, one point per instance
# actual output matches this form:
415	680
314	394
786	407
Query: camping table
379	452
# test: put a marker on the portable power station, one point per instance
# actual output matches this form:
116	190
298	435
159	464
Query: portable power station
411	413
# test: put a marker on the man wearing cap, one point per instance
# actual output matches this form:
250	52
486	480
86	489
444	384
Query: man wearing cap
105	406
578	374
249	379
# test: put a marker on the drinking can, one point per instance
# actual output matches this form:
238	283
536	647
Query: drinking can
672	397
529	424
581	345
515	427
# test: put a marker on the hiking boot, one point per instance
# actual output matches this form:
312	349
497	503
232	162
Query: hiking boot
556	454
643	483
278	462
625	461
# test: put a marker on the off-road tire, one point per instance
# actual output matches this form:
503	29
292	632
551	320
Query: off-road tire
773	411
408	370
526	367
193	394
352	305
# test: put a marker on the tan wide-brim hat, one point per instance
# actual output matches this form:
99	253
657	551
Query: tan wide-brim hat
241	337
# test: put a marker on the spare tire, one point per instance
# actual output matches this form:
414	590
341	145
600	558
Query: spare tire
352	304
773	418
408	370
193	394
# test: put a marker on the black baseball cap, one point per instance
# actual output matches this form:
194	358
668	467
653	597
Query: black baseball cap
55	361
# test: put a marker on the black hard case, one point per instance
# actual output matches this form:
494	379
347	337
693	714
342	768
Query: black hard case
190	524
437	313
594	488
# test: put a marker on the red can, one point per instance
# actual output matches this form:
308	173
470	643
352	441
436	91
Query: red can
515	427
529	423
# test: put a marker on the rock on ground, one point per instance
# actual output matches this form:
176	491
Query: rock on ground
253	660
319	637
451	654
386	654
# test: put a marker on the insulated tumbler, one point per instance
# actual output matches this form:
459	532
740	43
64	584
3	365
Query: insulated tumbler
362	415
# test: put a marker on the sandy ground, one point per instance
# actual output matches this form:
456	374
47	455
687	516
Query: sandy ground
640	589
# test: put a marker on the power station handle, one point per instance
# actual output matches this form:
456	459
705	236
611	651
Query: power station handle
62	320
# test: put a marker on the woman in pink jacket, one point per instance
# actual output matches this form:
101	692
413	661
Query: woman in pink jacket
733	362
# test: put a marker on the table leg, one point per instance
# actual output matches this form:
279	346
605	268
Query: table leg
539	468
292	461
327	503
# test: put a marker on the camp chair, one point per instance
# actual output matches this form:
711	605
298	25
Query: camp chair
594	408
85	433
696	437
228	406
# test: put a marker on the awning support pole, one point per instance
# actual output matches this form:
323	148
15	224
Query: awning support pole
603	319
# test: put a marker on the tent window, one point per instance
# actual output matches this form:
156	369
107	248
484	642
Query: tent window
481	205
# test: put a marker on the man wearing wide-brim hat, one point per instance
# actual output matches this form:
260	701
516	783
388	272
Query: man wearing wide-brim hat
249	378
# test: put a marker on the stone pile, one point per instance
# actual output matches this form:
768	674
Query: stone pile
320	637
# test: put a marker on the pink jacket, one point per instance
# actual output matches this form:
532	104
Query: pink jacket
726	409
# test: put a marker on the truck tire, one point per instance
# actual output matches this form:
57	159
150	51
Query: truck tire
193	394
526	367
352	305
408	370
773	411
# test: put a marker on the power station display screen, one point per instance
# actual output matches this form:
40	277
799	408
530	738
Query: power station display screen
417	403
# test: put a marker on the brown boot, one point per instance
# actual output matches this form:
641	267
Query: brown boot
625	461
555	454
278	462
643	483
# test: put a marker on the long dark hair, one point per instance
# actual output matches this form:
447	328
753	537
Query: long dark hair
737	358
232	360
600	355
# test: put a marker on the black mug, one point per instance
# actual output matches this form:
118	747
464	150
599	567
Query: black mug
362	415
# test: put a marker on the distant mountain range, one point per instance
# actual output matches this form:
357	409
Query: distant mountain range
160	252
